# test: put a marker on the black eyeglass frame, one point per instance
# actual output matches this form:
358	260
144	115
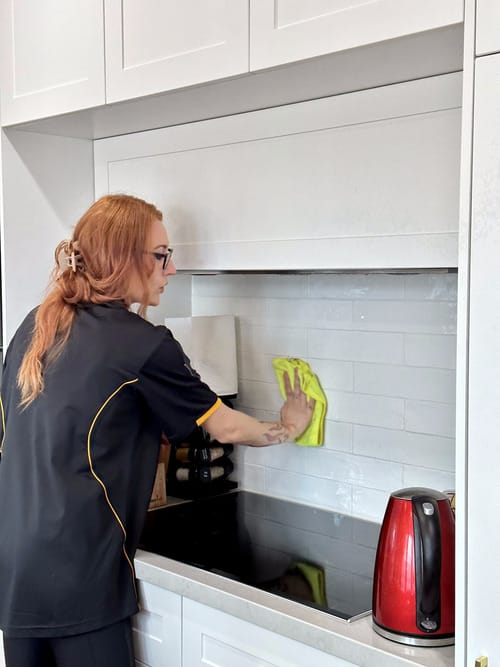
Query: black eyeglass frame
162	257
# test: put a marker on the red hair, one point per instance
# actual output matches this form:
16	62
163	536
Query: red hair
109	241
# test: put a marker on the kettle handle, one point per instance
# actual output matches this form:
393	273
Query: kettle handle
427	530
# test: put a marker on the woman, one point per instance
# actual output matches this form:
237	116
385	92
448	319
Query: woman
88	389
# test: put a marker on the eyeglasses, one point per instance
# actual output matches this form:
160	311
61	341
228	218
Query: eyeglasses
162	257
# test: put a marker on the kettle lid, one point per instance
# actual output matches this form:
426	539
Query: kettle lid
416	491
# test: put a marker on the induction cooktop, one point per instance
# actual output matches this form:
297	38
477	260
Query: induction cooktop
313	556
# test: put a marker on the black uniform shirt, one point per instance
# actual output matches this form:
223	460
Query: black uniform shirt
78	466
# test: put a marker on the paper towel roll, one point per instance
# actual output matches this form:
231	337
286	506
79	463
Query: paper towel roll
210	343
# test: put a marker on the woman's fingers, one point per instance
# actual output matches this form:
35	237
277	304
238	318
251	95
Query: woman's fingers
288	386
296	390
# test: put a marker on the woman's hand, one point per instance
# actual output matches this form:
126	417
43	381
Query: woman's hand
228	425
297	410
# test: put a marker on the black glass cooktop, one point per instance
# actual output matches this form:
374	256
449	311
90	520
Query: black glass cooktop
319	558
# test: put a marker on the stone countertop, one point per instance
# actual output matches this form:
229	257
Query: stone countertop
355	642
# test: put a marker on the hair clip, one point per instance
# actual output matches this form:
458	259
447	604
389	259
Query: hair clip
74	261
70	256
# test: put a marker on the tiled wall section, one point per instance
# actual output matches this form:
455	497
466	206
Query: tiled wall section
383	347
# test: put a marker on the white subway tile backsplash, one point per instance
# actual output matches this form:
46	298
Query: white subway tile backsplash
370	503
265	286
438	317
245	309
356	346
338	436
276	341
289	457
365	409
334	374
431	286
433	351
252	477
383	348
317	491
426	417
431	384
323	313
357	470
259	395
432	479
356	286
412	449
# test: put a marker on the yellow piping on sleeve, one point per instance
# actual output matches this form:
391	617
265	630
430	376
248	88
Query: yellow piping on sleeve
98	479
3	425
209	412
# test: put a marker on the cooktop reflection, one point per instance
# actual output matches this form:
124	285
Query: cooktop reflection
318	558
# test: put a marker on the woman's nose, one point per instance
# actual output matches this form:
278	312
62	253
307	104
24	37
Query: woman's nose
171	269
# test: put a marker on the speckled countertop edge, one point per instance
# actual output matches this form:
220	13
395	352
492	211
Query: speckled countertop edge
355	642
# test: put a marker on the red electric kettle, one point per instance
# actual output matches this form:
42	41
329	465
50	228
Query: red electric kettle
414	578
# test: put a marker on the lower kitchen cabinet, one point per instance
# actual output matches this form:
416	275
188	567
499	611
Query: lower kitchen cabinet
157	628
211	637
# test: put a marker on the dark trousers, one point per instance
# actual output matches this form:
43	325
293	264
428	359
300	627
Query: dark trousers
107	647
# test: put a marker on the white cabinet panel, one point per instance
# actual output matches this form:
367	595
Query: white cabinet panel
487	26
366	180
157	627
287	30
51	57
213	638
167	44
483	589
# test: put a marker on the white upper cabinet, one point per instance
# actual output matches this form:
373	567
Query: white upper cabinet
57	57
166	44
51	57
487	26
287	30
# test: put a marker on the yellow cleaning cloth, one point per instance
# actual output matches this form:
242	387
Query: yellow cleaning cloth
309	383
315	576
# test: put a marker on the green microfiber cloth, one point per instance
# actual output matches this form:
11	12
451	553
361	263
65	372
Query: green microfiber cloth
315	576
309	383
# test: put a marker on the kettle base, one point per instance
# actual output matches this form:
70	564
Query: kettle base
414	640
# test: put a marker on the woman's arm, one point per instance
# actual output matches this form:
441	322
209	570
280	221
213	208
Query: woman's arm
227	425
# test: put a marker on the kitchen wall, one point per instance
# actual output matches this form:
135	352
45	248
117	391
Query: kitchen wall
383	347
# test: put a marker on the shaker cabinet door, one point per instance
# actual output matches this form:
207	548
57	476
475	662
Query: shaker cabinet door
51	57
211	637
487	26
284	31
157	627
166	44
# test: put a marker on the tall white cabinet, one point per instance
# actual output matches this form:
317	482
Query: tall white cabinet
483	538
